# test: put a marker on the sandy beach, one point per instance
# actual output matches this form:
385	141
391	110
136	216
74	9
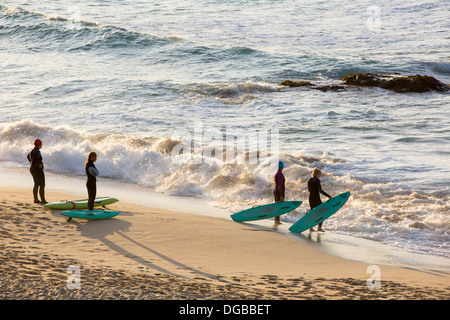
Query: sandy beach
148	253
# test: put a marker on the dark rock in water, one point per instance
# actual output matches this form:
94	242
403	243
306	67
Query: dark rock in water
290	83
331	87
397	83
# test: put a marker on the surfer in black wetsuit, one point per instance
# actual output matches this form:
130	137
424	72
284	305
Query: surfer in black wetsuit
91	182
315	189
37	171
279	189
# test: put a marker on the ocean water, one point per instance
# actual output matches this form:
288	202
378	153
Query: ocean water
161	90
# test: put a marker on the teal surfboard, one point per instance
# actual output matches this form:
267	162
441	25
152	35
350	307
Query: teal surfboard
79	204
320	213
266	211
90	214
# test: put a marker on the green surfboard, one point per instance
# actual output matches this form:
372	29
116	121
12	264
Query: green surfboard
320	213
266	211
79	204
90	214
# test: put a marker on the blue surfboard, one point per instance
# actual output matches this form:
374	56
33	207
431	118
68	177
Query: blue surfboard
320	213
266	211
90	214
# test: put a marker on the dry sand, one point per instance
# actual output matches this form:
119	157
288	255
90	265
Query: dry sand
148	253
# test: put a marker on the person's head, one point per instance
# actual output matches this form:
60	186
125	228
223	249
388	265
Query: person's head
280	165
316	172
38	143
92	157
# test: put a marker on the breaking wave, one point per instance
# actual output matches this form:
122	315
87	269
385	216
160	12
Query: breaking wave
412	219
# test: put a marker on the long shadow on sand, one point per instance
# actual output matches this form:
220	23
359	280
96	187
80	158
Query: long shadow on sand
92	229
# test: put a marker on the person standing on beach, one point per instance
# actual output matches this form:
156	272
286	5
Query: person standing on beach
279	189
37	171
91	182
315	189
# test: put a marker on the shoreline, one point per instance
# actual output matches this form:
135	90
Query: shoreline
344	246
149	253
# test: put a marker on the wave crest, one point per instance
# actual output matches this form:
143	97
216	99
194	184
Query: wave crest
48	31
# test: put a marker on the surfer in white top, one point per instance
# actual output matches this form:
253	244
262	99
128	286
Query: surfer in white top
91	182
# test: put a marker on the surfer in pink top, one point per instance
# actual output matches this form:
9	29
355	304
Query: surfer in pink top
279	189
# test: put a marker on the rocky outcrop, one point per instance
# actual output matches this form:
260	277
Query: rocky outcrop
290	83
395	82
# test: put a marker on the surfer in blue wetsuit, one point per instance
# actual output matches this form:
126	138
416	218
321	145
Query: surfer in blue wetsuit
279	189
37	171
315	189
91	182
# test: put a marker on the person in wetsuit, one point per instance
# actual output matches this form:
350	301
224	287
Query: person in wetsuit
315	189
91	182
279	189
37	171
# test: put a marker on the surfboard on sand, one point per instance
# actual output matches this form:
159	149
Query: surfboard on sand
90	214
320	213
266	211
80	204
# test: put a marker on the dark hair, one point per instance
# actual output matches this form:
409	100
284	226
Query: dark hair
92	153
